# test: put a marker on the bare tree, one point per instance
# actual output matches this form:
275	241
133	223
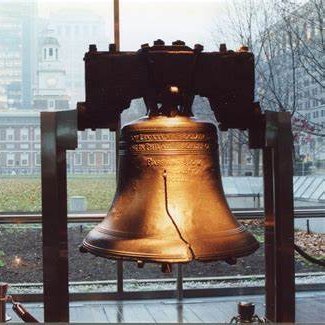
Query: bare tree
246	21
288	42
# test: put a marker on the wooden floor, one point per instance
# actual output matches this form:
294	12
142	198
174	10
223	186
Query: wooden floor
310	308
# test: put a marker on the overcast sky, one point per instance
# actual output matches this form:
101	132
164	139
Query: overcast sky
143	21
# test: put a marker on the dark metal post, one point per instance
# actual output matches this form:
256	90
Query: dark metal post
119	263
117	24
279	235
58	133
117	133
120	283
284	222
3	295
179	282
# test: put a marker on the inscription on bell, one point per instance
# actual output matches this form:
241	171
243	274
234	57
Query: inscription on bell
174	146
142	137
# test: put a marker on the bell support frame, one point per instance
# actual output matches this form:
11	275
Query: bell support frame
58	134
279	218
270	131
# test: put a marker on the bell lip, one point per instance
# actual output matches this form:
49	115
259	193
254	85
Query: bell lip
119	255
120	235
242	252
127	256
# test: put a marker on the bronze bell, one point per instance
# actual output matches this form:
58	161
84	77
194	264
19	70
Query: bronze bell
169	205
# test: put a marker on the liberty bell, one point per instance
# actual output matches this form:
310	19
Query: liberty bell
169	205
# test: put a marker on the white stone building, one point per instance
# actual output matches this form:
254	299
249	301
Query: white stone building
50	92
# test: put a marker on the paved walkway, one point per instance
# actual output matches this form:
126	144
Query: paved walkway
310	308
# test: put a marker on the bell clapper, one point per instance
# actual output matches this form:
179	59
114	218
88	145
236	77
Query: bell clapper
166	268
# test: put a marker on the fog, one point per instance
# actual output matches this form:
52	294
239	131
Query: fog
143	21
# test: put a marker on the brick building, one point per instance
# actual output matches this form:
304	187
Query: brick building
20	147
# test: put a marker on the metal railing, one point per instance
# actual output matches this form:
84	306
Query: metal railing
240	214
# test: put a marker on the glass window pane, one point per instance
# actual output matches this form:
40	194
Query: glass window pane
42	68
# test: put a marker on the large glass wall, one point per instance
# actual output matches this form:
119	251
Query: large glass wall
42	44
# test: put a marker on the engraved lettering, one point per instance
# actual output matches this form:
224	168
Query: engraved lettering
170	137
176	146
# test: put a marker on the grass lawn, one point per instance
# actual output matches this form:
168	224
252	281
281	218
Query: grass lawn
23	194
